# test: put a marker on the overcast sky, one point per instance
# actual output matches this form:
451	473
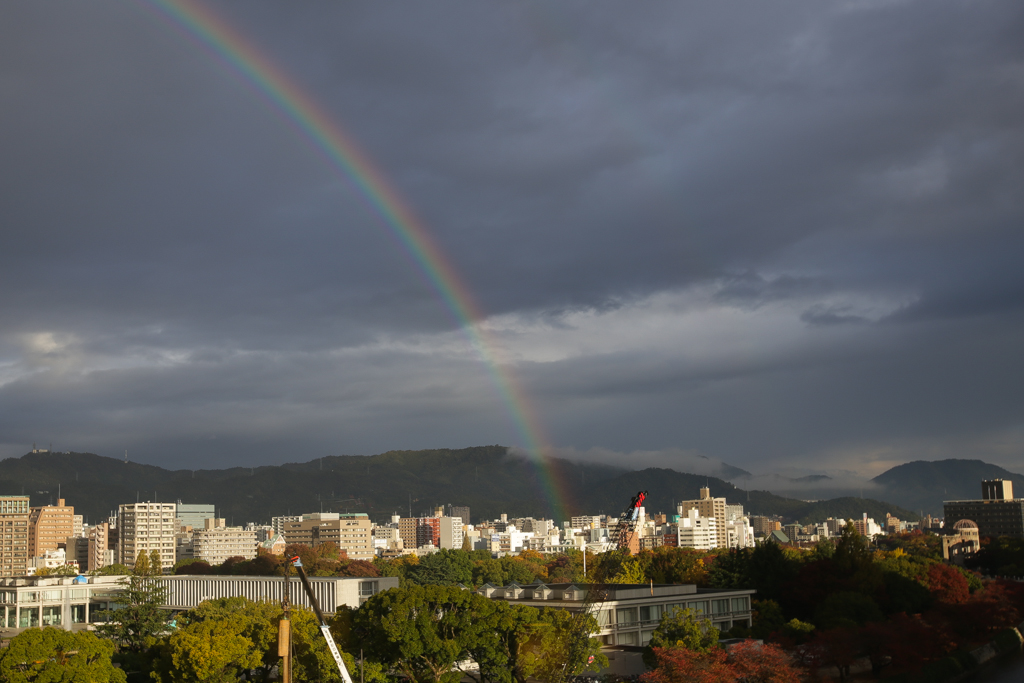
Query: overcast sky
787	236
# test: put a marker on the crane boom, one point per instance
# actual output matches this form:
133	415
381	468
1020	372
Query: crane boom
324	628
625	530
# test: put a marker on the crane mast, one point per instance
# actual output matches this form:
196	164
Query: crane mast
324	628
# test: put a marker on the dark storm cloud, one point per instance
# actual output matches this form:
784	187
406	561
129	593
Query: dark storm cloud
762	233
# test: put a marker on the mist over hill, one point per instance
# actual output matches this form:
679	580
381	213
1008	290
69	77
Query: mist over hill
923	486
489	479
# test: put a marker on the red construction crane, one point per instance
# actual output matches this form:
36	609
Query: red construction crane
626	529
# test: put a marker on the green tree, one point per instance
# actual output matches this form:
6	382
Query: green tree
135	625
445	568
156	565
846	609
112	570
61	570
212	651
256	621
52	654
496	641
851	554
630	571
559	646
420	631
681	628
142	564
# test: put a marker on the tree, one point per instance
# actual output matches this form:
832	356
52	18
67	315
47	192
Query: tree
112	570
851	554
681	628
445	567
559	646
947	584
156	565
136	624
753	662
141	564
52	654
497	641
847	609
836	647
630	571
60	570
419	631
209	651
680	665
256	621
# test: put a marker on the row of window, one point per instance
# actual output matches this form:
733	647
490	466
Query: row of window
653	613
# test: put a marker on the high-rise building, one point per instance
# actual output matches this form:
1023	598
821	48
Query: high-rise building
50	526
462	512
215	542
998	513
697	531
706	506
277	523
79	526
195	514
349	531
14	551
450	533
145	527
100	552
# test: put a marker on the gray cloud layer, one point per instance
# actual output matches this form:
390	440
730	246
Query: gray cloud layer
781	235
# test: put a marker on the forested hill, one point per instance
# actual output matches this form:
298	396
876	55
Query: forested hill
486	478
922	485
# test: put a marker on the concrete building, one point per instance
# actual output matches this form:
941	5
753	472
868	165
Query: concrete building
65	602
49	527
194	514
709	507
77	549
629	613
215	542
277	523
451	536
998	513
960	541
79	526
14	520
145	527
765	525
349	531
52	559
332	592
101	554
462	512
697	531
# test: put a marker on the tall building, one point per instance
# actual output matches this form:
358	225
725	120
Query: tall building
450	533
101	554
697	531
50	526
145	527
195	514
215	542
277	523
998	513
14	553
462	512
349	531
706	506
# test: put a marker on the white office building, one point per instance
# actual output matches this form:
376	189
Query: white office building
696	531
145	527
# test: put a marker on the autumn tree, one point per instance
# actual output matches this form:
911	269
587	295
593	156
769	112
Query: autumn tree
947	584
559	646
680	665
752	662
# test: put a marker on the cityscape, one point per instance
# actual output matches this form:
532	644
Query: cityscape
535	342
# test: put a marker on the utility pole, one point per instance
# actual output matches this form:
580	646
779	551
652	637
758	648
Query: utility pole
284	631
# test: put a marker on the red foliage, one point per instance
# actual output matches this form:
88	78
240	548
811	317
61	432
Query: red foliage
359	568
679	665
749	662
753	662
948	585
906	643
836	647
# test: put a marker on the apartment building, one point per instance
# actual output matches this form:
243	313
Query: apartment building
697	531
349	531
450	533
709	507
14	551
194	514
101	554
462	512
215	542
50	526
145	527
277	523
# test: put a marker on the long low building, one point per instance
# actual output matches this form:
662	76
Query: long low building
72	603
627	614
332	592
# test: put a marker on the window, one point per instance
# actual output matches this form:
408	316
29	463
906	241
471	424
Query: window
28	617
740	605
367	588
626	615
628	638
77	614
698	607
30	596
51	595
720	606
650	613
51	616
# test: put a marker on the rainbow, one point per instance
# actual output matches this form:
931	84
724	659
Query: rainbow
328	138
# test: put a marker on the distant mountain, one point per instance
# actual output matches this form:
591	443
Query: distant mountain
488	479
923	486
